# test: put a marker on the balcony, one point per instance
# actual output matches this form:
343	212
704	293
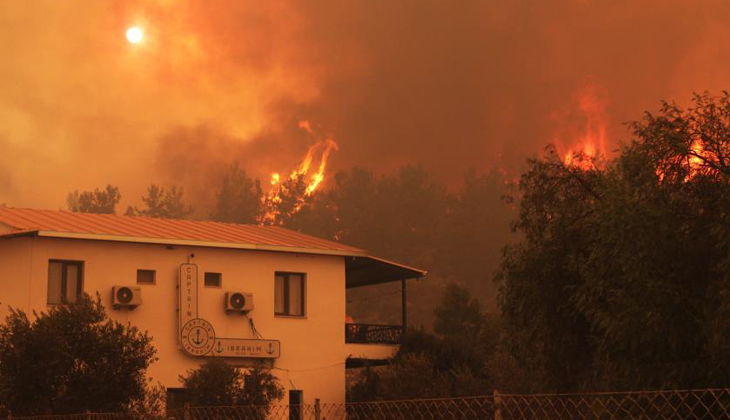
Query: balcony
373	334
375	344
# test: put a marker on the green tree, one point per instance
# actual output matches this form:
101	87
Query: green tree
71	359
620	280
162	204
239	199
102	202
216	383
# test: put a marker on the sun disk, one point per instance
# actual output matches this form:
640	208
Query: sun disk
135	35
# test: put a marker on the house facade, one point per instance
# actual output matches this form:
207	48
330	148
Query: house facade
248	294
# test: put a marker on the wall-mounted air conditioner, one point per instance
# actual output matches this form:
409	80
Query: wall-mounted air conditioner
239	302
126	297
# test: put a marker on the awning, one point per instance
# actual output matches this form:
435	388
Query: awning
367	270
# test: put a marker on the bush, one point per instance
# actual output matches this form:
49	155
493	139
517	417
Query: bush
216	383
71	359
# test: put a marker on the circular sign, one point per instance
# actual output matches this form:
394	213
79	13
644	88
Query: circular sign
197	337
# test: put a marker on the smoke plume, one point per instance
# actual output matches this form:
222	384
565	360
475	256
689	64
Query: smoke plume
448	84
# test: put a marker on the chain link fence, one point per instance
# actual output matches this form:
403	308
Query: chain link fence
706	404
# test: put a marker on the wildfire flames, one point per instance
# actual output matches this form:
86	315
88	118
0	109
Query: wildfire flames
274	198
695	161
591	142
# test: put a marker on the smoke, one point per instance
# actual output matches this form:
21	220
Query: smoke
447	84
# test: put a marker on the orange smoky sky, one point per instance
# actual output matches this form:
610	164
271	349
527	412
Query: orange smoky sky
449	84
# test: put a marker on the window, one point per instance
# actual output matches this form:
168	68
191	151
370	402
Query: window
65	281
289	294
145	276
213	279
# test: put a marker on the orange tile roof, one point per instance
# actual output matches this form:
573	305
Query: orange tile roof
65	224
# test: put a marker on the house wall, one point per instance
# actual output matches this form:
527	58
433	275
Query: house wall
313	348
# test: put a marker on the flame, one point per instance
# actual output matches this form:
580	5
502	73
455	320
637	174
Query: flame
273	197
695	160
318	176
590	144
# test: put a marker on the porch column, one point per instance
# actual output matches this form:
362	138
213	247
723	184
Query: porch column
404	304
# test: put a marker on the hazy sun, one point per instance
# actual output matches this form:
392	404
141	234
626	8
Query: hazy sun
135	35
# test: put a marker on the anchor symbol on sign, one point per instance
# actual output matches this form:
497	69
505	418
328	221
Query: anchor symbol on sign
219	349
197	339
270	350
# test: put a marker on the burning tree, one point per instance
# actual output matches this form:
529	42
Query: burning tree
622	279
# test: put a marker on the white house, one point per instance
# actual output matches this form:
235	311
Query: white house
206	289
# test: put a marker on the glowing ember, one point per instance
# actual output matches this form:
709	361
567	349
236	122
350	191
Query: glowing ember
135	35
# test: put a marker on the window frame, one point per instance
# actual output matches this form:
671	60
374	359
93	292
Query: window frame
287	279
220	279
154	277
64	280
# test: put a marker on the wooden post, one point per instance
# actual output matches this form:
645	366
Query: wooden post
404	304
317	410
497	405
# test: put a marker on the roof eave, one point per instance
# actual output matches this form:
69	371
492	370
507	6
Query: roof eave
205	244
369	271
19	233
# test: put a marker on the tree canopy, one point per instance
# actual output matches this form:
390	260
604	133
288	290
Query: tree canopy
102	202
621	280
239	199
162	203
72	359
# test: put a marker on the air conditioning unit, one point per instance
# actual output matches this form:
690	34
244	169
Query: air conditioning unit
239	302
126	297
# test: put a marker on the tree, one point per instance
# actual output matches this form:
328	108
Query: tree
458	315
216	383
102	202
162	204
239	199
71	359
621	279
